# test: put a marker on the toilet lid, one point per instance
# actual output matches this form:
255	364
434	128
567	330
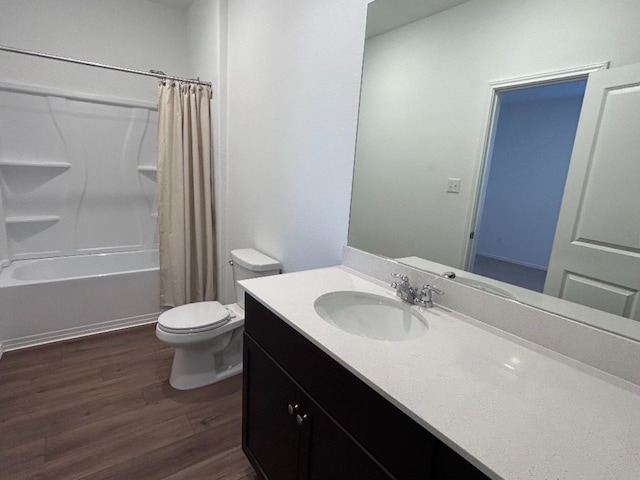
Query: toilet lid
194	317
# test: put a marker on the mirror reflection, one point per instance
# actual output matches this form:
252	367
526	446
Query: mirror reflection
499	139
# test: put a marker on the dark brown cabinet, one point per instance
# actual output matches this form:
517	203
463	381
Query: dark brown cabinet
289	436
448	465
272	436
306	417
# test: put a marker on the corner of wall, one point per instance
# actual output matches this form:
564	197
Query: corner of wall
225	277
5	258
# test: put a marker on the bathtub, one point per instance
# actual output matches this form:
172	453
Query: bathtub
54	299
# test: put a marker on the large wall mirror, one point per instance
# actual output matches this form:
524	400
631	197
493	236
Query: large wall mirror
500	140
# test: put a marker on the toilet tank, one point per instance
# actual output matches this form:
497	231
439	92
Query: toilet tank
249	263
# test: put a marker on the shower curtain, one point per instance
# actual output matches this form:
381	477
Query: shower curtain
185	194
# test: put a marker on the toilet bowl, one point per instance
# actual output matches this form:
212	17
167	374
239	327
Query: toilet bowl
207	336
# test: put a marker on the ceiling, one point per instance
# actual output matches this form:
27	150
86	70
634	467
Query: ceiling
386	15
383	15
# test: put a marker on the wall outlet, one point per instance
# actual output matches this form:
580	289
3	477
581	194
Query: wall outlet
453	185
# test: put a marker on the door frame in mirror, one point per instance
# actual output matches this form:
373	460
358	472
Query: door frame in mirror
485	150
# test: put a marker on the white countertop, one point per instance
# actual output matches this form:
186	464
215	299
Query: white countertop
513	409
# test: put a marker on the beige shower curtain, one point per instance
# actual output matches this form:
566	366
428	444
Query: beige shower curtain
185	194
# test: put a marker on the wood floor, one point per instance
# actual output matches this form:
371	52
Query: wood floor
101	408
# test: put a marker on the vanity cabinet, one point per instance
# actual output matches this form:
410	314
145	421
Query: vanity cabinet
306	417
289	436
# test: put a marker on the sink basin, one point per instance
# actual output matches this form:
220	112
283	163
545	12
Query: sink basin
371	316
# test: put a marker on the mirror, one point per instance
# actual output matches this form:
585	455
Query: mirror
433	78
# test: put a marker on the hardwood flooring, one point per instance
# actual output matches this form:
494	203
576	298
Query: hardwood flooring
101	408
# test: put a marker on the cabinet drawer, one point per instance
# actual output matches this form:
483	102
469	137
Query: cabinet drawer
403	447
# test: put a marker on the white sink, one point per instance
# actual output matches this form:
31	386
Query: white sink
371	316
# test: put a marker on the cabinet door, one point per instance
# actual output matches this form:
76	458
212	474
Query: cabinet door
287	436
451	466
334	455
270	434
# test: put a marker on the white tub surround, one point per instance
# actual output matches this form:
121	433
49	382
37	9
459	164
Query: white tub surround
512	408
77	174
59	298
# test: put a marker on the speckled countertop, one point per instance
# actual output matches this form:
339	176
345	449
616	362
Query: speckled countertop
513	409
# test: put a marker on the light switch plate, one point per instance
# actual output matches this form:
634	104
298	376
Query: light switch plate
453	185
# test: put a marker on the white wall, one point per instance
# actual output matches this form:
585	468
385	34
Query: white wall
136	34
206	29
425	104
294	80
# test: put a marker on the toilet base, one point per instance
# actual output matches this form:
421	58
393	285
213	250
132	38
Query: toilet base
197	368
207	357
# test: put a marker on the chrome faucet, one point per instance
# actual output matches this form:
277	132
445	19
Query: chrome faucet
407	293
404	290
425	298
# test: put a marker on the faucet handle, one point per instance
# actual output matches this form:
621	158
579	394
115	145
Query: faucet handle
426	289
403	278
424	299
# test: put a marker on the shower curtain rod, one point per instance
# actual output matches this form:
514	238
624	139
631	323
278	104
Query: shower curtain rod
150	73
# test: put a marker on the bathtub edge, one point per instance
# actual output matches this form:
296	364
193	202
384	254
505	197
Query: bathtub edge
77	332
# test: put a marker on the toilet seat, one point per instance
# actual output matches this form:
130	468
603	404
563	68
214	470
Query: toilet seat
194	318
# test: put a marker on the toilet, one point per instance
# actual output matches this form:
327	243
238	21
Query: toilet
207	336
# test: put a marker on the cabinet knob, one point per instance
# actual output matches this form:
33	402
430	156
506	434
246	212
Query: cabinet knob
293	408
301	419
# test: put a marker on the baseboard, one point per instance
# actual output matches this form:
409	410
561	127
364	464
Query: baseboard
511	260
77	332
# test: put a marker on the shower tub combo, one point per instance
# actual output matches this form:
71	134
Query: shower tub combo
78	215
53	299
